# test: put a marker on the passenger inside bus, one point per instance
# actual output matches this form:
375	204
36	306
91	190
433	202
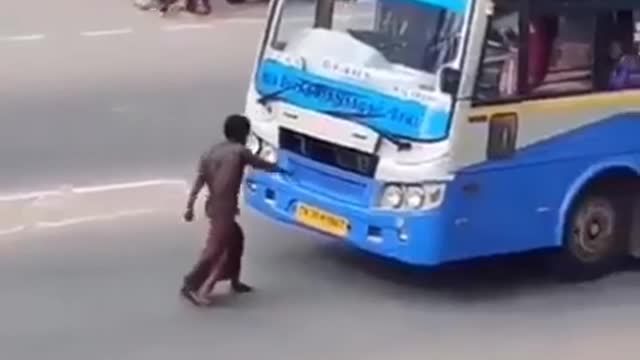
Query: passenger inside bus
542	32
626	71
560	57
623	54
567	54
564	57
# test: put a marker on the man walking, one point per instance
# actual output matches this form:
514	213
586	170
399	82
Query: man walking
221	169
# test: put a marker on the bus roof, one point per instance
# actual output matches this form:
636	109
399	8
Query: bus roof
460	5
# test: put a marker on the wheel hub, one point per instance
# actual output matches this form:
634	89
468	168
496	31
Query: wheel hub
592	230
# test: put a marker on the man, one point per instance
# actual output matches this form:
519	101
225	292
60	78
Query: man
221	168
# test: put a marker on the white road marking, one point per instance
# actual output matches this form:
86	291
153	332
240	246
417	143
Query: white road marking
128	185
181	27
74	205
89	189
247	20
27	196
261	20
110	32
85	219
293	19
13	230
30	37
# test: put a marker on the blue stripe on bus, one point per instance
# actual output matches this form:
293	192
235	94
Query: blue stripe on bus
457	6
543	179
406	118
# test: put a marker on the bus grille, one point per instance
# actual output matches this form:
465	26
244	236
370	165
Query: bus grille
330	154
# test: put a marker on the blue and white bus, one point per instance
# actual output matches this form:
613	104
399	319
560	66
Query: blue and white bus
431	131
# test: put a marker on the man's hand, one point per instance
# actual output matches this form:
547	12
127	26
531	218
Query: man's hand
188	215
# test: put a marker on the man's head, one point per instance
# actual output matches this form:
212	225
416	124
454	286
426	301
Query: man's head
237	128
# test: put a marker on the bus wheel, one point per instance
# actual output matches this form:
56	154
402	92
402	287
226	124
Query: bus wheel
595	239
236	2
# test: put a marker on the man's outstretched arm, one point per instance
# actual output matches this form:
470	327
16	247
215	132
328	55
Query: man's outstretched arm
258	163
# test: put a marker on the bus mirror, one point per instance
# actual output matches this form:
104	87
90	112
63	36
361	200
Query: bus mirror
449	80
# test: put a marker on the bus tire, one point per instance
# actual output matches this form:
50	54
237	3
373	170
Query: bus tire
236	2
595	239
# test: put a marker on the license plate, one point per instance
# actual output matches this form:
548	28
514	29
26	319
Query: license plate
322	220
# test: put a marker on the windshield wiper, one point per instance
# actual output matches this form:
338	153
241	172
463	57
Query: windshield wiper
401	144
266	98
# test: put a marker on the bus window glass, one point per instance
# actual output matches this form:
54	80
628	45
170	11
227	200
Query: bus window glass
560	56
295	15
410	34
636	32
498	71
570	66
623	52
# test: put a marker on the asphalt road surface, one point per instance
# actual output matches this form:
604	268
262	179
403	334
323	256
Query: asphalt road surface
91	90
94	92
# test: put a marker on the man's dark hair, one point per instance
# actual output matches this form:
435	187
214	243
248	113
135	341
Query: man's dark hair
236	128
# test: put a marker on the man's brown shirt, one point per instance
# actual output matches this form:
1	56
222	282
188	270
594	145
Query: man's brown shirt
222	168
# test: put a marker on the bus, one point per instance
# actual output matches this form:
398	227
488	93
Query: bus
437	131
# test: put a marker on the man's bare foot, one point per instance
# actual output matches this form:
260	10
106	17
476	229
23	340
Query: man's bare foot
207	290
206	293
208	300
241	288
191	296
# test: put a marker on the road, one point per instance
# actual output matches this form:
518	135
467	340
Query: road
113	87
93	94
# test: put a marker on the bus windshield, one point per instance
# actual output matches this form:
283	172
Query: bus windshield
419	35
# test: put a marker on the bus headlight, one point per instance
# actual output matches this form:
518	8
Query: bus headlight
392	197
269	153
253	143
414	198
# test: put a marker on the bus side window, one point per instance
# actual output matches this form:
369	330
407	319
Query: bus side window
498	72
560	56
570	67
623	51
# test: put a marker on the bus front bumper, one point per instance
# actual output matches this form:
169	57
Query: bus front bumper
414	238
